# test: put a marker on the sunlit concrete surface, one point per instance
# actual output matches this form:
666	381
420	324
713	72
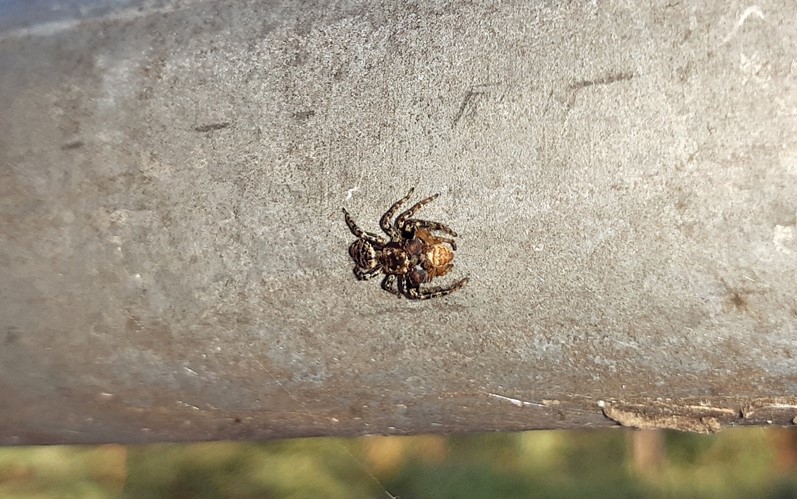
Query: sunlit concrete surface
173	256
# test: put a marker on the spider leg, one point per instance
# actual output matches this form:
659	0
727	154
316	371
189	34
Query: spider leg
415	224
425	294
402	219
423	228
402	286
384	222
364	275
368	236
439	272
389	285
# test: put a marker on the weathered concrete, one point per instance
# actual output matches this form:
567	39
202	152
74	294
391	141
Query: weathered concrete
173	254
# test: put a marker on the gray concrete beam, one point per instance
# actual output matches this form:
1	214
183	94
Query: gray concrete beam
173	255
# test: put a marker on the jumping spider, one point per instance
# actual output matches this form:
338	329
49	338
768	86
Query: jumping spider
412	256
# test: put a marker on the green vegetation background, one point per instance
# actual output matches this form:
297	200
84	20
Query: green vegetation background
751	462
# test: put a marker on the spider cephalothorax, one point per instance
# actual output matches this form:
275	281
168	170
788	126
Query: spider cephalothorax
412	256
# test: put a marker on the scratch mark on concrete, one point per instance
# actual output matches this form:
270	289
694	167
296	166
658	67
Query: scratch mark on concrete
516	402
303	115
611	78
576	87
468	101
185	404
72	145
211	127
749	11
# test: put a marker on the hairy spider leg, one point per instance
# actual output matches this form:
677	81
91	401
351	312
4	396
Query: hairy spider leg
425	294
402	288
408	226
364	275
368	236
430	226
384	222
402	219
389	285
423	230
441	272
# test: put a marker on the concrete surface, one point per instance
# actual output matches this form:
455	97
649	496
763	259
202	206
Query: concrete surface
173	255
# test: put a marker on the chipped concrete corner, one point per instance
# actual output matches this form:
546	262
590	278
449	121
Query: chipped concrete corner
173	264
698	415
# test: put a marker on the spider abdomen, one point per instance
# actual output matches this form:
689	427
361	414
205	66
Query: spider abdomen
438	255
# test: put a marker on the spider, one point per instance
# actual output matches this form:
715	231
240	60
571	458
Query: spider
411	256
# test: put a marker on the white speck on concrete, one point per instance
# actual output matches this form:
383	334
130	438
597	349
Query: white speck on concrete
784	238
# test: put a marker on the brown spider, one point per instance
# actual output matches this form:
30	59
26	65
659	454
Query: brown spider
412	256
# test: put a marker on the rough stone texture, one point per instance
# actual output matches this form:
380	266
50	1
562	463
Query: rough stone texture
173	259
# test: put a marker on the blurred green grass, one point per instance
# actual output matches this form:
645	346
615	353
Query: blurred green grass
750	462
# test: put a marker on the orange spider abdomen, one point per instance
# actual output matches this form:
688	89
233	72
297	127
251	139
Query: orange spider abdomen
439	258
439	255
